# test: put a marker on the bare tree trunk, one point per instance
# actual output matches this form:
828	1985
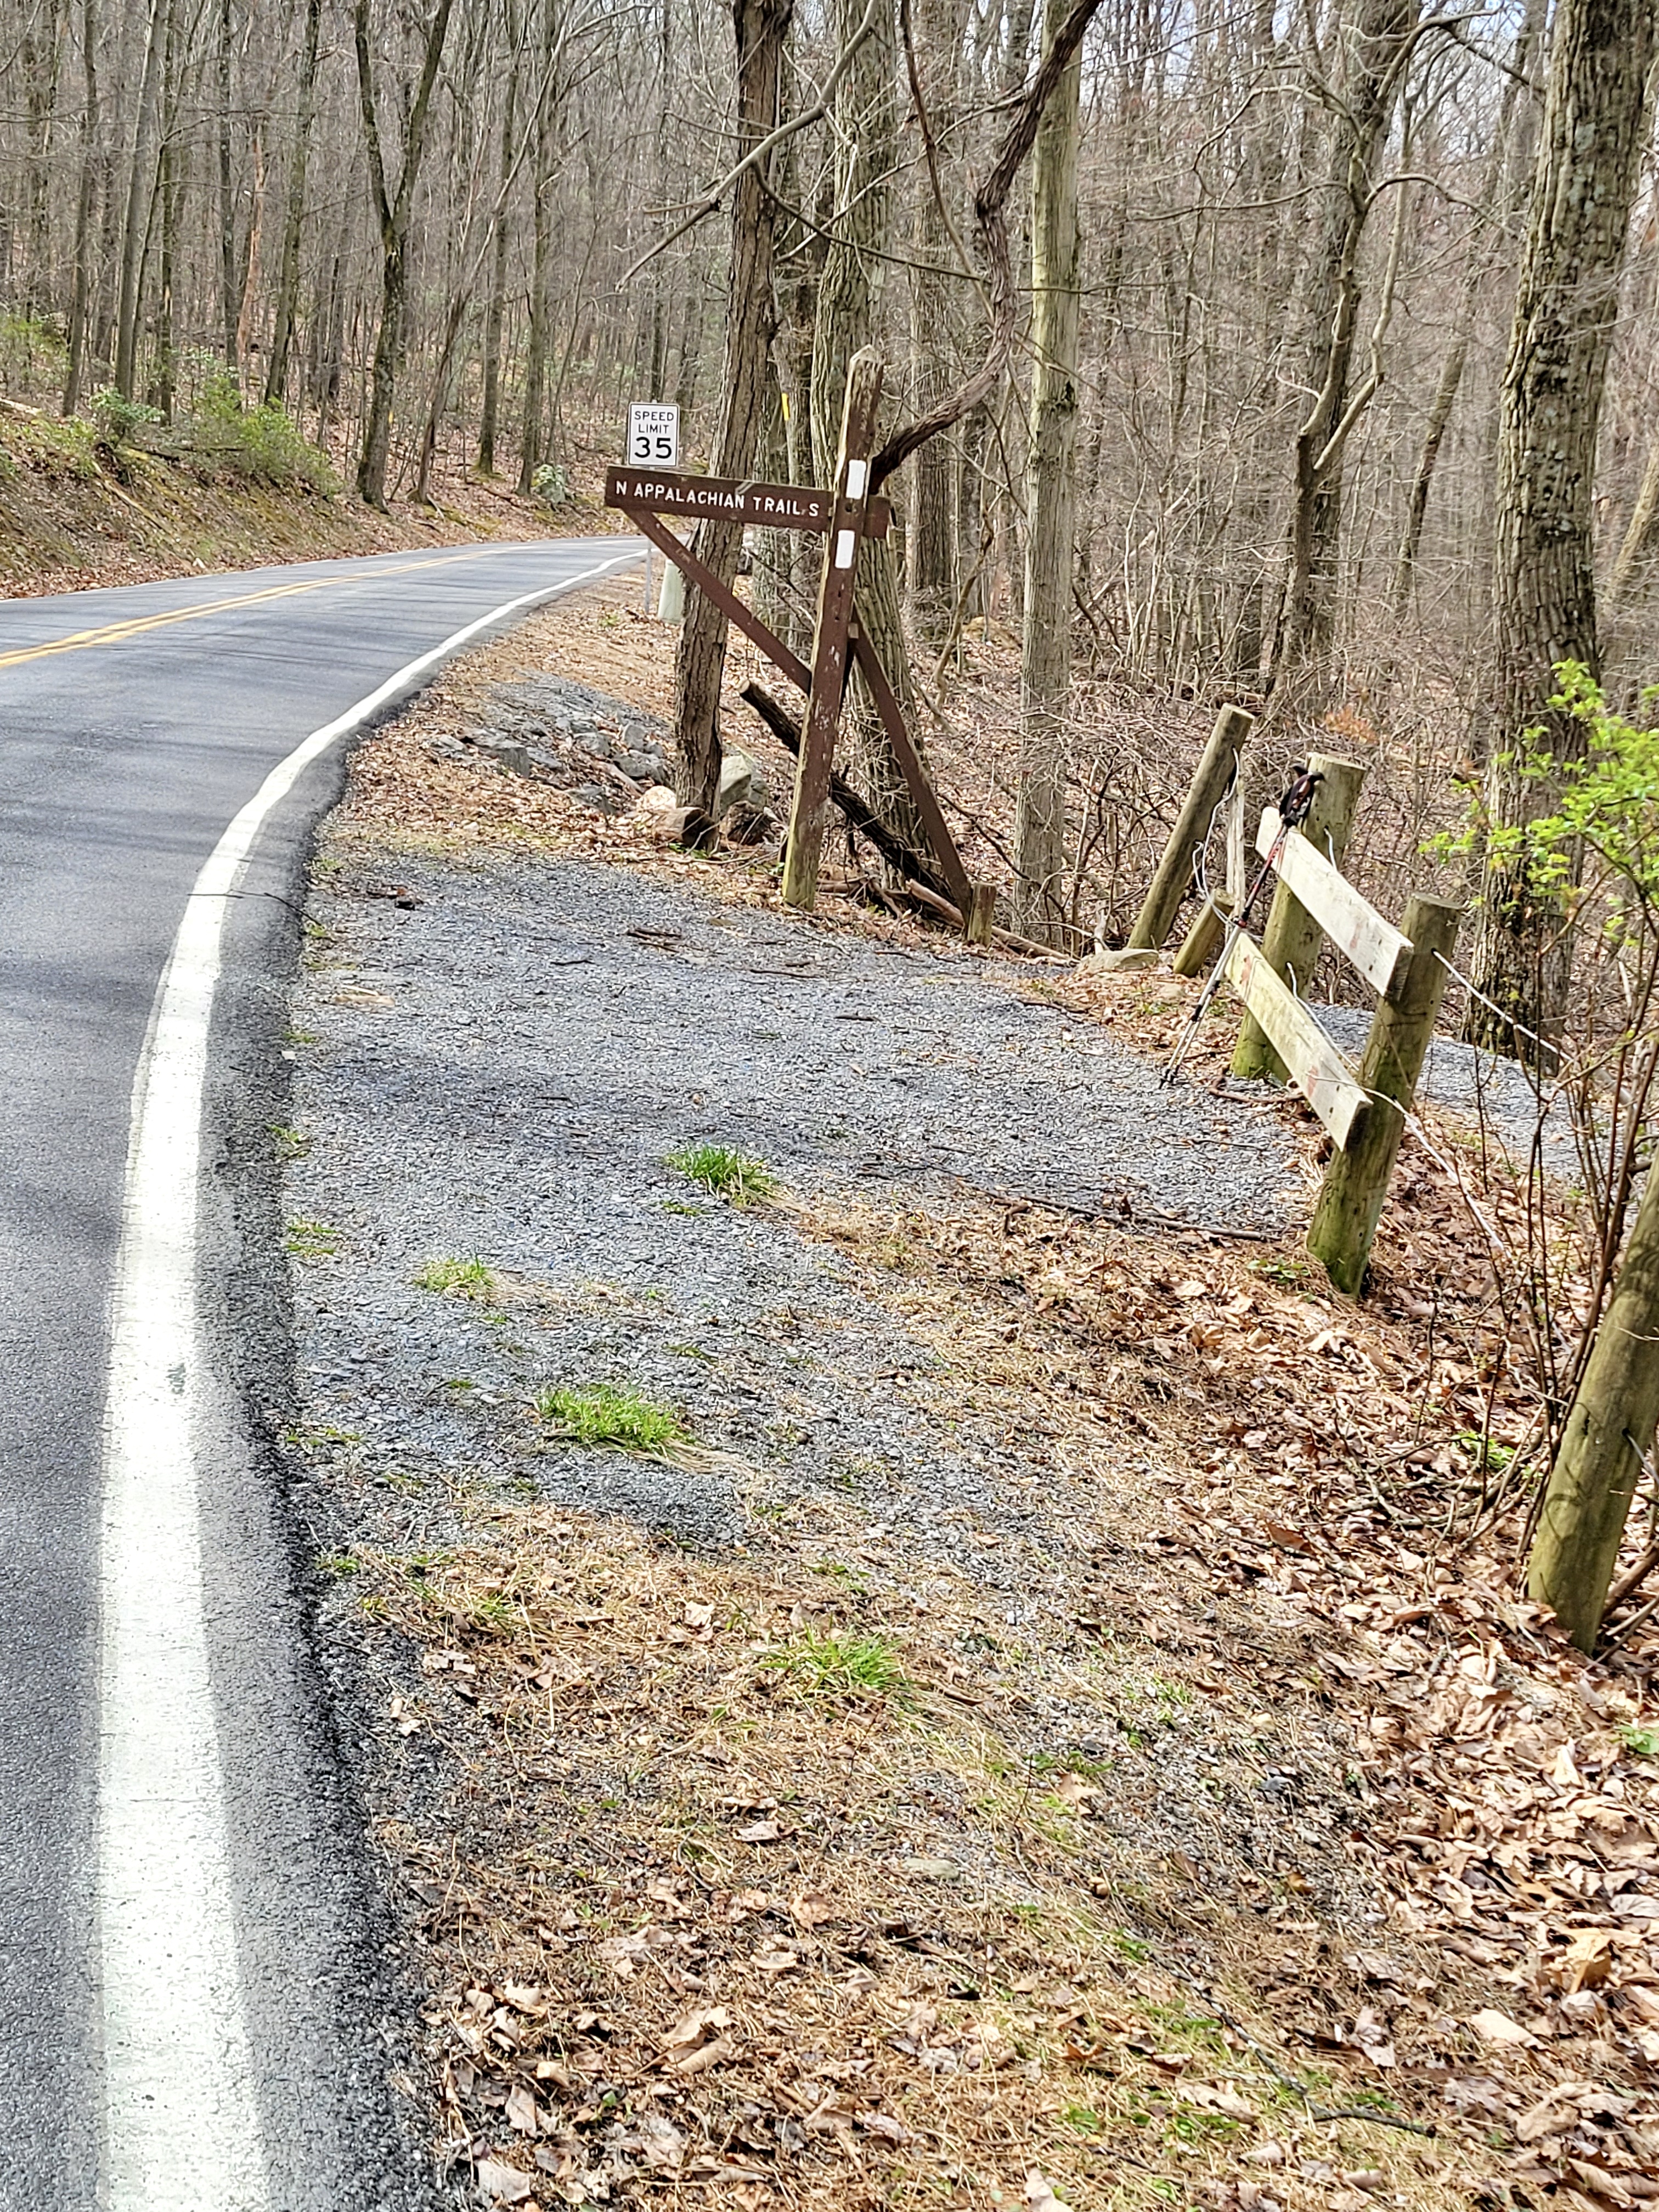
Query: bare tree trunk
393	213
849	292
76	369
167	198
230	290
1480	269
141	191
535	368
1375	49
1641	530
1566	305
287	279
659	285
1051	512
759	27
496	308
930	548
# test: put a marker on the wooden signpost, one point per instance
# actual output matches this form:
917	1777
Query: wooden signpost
847	515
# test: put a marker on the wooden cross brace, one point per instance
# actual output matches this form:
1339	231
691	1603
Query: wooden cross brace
849	515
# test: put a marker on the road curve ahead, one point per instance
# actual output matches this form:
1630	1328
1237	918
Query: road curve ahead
182	1944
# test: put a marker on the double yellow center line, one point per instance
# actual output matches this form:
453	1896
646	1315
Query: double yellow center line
117	633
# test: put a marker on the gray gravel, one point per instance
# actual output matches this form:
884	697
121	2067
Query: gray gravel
500	1070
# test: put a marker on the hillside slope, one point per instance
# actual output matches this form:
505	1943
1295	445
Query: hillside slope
77	510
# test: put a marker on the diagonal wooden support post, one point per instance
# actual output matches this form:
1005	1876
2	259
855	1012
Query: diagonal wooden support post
1292	940
943	845
829	645
1177	871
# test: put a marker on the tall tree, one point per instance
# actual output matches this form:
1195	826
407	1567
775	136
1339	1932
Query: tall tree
758	29
287	275
1482	262
1051	509
393	207
1373	46
1566	300
140	198
848	299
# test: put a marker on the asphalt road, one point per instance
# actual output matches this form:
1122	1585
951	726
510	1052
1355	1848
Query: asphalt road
134	725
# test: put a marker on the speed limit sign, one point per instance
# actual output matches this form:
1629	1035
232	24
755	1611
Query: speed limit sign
653	436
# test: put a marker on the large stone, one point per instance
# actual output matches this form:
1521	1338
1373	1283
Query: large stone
507	753
741	783
1125	962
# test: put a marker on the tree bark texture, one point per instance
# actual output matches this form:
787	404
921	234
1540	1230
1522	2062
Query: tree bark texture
1609	1431
1051	513
930	551
1566	303
759	27
287	281
848	294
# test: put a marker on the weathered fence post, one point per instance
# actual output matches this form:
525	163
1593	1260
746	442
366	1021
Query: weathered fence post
1292	940
1174	878
1357	1181
829	643
1202	939
1610	1432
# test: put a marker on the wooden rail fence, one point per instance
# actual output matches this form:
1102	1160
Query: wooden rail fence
1364	1109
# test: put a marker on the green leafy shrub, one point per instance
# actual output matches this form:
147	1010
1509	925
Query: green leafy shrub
263	443
115	419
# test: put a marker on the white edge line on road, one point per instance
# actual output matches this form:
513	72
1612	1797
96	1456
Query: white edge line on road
180	2103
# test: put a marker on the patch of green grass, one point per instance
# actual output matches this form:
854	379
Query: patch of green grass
338	1564
598	1413
466	1279
832	1666
312	1435
1644	1742
1294	1273
312	1240
731	1174
292	1144
1195	2127
1484	1451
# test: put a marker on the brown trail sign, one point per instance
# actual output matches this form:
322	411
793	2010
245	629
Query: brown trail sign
849	515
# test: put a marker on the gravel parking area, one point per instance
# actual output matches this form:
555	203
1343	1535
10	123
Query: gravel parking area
496	1064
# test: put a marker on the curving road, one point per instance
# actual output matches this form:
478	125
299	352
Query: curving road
187	1973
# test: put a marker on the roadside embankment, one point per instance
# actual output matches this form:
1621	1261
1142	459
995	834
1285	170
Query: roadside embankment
80	508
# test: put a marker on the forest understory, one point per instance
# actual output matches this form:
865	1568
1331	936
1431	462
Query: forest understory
1017	1695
